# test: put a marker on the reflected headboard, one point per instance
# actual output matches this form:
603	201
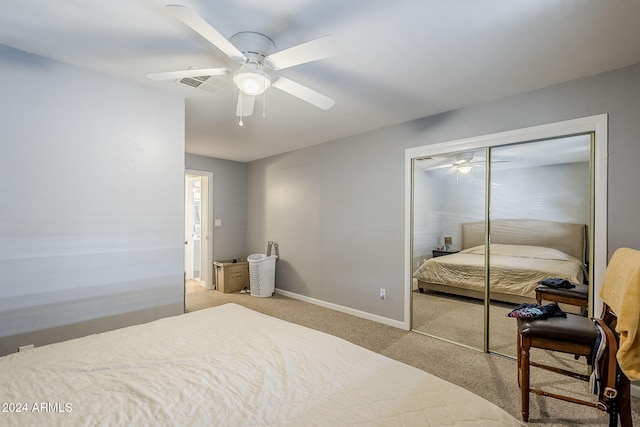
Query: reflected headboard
568	238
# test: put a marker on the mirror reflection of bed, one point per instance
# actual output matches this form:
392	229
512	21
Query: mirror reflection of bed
522	253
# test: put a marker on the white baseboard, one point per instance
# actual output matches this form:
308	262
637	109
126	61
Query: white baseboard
635	389
347	310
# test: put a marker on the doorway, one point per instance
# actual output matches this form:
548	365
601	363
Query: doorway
197	228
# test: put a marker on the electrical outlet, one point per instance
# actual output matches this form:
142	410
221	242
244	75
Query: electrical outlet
383	293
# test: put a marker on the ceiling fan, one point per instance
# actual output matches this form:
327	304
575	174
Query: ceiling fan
461	163
257	59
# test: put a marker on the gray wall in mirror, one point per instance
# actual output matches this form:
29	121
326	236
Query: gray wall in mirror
555	192
337	209
521	192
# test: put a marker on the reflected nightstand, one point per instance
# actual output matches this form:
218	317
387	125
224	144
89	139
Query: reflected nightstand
436	253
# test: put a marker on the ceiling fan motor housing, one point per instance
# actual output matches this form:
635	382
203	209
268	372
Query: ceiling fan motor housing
255	46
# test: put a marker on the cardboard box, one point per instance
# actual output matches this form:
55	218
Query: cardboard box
231	276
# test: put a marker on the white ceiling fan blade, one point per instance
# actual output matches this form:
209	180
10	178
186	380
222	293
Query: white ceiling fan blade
430	163
451	170
202	27
448	165
313	50
306	94
245	105
181	74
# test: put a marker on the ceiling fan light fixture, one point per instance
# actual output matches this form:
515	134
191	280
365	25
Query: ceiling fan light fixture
465	168
252	82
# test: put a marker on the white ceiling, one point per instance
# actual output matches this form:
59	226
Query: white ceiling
398	60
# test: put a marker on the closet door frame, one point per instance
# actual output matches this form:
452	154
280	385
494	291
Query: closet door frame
597	124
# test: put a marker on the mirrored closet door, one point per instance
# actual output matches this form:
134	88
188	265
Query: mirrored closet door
540	215
449	190
487	225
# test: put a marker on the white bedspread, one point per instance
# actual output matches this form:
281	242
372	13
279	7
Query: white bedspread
227	366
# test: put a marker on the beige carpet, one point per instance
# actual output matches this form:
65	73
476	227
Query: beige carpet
490	376
461	320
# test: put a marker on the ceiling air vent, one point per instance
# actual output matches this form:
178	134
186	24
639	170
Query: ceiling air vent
194	81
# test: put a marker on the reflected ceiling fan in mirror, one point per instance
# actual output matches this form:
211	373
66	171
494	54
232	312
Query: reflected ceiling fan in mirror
257	61
464	166
460	163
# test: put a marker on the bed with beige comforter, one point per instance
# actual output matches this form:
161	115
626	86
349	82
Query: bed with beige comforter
515	269
227	366
522	253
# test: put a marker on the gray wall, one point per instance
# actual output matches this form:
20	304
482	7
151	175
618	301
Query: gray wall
91	202
229	204
337	209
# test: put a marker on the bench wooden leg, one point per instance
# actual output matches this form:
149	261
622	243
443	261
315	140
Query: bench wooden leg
518	360
524	371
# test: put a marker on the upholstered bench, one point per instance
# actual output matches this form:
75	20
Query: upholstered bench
578	296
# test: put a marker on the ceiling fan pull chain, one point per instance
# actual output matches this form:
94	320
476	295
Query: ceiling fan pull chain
264	105
241	110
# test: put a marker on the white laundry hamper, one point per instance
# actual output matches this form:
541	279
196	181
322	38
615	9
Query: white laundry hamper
262	274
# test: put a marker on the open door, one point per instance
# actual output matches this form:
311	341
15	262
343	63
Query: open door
198	248
191	183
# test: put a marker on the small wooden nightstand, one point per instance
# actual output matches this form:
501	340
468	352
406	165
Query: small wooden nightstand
436	253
